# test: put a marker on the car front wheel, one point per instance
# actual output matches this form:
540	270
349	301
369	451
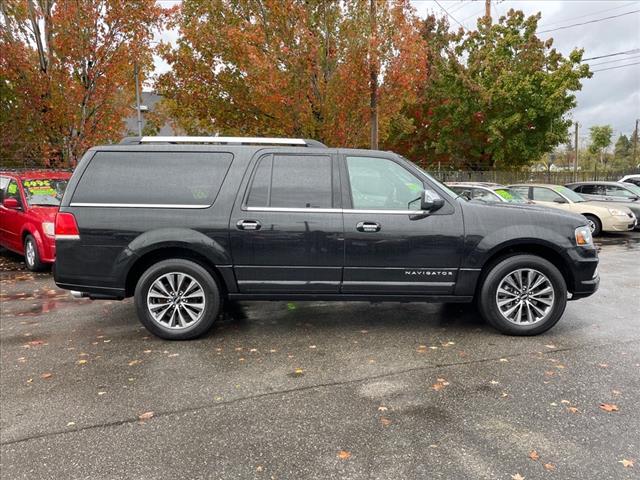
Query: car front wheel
177	299
31	255
523	295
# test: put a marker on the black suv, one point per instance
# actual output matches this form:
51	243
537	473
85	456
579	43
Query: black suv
184	224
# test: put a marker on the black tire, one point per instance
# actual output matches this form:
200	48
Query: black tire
211	293
488	302
595	225
32	259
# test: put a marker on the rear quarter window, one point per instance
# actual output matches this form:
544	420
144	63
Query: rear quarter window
153	178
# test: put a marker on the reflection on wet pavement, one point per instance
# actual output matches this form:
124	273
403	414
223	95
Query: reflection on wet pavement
630	240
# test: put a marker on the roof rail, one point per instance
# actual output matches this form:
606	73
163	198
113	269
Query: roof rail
225	140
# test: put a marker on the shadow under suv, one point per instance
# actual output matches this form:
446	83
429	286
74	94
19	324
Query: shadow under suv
184	224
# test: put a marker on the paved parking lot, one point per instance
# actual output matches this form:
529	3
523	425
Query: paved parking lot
321	390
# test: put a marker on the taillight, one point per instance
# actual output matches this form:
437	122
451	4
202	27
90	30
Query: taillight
66	227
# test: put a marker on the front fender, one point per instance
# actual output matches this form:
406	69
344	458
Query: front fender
487	245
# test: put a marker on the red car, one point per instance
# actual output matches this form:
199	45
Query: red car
29	202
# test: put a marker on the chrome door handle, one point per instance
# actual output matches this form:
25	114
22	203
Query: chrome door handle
248	225
368	227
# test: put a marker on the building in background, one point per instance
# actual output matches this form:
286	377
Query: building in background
153	122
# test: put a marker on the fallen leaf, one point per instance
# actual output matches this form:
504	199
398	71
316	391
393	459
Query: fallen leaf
253	350
298	371
46	375
145	416
146	351
34	343
517	476
344	455
533	455
626	463
609	407
101	393
494	382
312	346
134	362
549	466
603	365
616	392
505	394
173	354
550	346
71	424
385	421
382	408
566	402
81	362
504	360
573	410
259	468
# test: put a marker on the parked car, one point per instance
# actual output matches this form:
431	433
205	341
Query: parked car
29	203
184	224
487	192
635	179
614	193
600	216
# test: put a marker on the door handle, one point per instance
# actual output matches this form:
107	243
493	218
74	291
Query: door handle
248	225
368	227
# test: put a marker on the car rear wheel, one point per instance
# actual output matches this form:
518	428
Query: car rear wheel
595	225
523	295
177	299
31	255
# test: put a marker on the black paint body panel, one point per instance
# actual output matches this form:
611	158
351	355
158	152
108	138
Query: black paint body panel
315	254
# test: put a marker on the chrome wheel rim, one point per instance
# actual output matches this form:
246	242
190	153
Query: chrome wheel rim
525	296
592	225
30	253
176	301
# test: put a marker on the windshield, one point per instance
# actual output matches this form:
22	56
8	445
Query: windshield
510	196
570	194
44	192
632	188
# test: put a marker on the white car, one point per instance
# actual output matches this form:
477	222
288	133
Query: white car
635	179
600	216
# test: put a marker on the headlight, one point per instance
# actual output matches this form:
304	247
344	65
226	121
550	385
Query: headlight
48	228
616	211
583	237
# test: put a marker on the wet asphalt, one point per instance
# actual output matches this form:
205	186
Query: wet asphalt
314	390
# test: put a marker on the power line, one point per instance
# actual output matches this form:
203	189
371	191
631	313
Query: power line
589	14
613	68
626	52
614	61
449	15
587	23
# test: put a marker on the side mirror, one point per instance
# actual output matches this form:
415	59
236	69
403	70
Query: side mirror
11	204
560	200
430	201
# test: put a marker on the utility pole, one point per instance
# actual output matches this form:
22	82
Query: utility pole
135	74
373	75
575	157
635	144
487	9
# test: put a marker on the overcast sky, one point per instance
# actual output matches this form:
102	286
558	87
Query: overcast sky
611	96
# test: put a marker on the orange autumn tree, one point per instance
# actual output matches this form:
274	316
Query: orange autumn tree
66	74
292	68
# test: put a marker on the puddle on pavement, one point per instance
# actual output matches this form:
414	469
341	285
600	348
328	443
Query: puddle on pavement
37	302
630	240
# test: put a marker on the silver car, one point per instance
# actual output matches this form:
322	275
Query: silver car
626	194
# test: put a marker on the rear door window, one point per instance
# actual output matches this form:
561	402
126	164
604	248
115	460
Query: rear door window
542	194
153	178
615	191
292	181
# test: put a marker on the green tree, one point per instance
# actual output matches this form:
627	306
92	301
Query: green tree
622	148
600	140
495	97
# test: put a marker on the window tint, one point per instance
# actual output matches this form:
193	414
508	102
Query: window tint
591	189
523	191
615	191
378	183
484	195
292	181
164	178
13	191
545	195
